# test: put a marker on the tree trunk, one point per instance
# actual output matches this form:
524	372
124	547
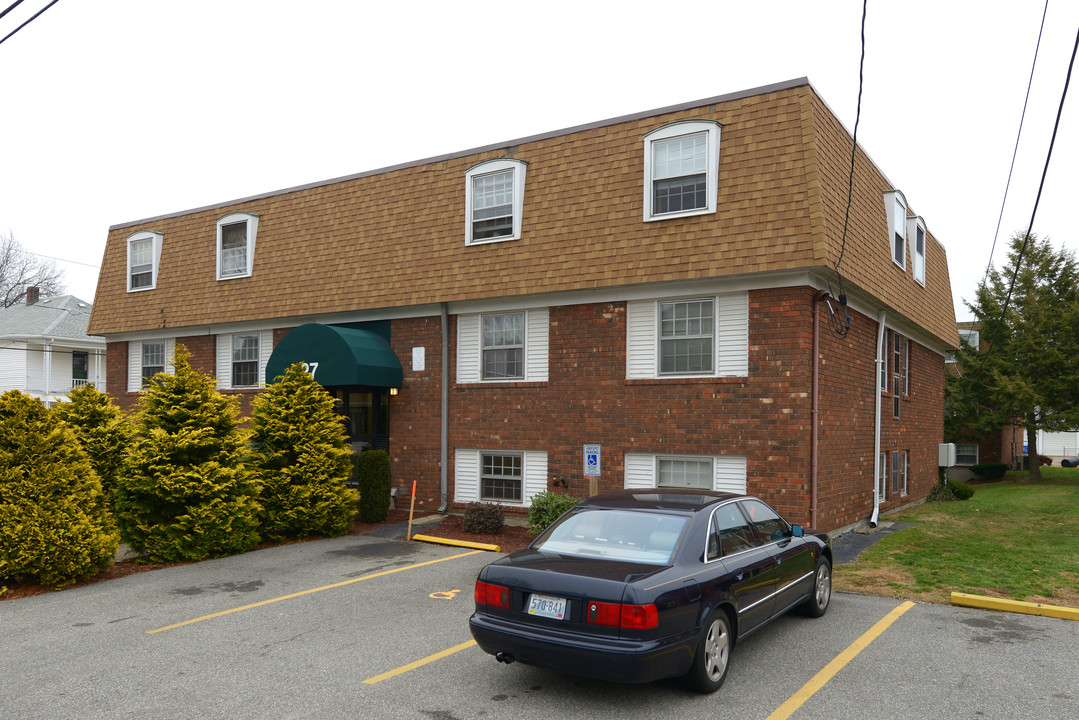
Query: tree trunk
1034	465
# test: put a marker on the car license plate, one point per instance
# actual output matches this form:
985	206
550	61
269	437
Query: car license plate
547	606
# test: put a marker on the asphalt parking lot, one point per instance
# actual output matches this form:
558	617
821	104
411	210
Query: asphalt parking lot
374	627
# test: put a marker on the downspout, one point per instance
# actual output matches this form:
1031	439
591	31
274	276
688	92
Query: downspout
815	413
876	430
445	413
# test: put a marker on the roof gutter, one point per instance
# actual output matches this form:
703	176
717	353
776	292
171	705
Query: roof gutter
877	421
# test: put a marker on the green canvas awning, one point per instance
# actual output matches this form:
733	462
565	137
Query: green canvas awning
338	356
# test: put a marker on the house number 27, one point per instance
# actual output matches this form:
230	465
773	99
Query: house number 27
310	368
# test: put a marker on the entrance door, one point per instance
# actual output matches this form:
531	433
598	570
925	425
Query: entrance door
366	413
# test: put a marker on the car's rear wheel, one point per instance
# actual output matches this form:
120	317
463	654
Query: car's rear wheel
713	654
817	602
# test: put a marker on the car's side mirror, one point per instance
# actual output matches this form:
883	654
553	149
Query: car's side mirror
797	531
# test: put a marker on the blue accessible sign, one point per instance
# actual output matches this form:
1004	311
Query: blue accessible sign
591	460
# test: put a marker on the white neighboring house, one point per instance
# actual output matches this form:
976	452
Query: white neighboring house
44	348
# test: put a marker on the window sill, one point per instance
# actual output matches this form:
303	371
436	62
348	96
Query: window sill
675	380
503	384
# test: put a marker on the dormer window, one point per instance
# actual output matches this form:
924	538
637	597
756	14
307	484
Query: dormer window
143	257
916	231
494	199
236	245
681	168
896	206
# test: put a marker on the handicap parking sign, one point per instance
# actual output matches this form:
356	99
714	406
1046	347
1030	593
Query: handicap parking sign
592	460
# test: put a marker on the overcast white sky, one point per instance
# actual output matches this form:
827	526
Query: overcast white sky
118	110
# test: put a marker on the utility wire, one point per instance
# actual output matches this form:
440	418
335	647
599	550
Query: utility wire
50	257
1037	199
1015	151
11	7
32	18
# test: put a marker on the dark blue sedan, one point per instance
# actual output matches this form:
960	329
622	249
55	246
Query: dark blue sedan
638	585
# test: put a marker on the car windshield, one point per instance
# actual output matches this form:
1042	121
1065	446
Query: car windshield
642	537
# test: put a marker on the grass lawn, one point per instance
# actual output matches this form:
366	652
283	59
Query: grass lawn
1014	539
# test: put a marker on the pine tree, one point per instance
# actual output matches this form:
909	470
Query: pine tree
185	492
55	526
302	458
103	429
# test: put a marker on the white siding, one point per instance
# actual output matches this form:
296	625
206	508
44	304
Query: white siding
730	474
641	337
468	348
466	476
640	471
535	472
537	347
13	358
733	340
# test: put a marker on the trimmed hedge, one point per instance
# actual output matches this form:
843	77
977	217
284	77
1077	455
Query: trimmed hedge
484	518
373	477
989	471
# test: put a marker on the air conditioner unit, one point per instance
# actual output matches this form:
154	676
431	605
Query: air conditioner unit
946	455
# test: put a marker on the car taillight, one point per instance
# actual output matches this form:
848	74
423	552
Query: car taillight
496	595
631	617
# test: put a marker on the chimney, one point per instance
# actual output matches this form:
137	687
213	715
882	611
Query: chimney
32	294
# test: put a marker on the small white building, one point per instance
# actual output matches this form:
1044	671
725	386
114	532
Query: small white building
44	348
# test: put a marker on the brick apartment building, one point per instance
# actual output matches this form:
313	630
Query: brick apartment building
653	284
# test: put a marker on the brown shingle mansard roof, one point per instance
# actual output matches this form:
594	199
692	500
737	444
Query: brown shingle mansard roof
394	237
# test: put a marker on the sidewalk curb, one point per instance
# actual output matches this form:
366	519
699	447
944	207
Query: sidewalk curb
1015	606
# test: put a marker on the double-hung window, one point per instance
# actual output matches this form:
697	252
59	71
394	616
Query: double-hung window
245	360
899	472
501	477
143	254
882	480
494	200
684	472
897	371
917	232
687	337
896	210
681	167
236	245
966	454
504	346
153	360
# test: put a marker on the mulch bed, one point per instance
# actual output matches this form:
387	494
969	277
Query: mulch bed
451	527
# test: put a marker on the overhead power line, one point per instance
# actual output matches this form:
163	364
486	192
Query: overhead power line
32	18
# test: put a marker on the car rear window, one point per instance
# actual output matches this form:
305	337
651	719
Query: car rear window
641	537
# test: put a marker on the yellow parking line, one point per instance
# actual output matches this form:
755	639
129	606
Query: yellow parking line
821	679
419	663
313	590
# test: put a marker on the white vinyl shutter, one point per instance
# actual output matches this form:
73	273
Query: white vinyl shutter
733	328
537	346
641	339
468	348
265	351
730	474
640	471
466	476
224	362
134	366
535	472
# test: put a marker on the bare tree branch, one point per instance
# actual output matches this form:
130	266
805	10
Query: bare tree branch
20	270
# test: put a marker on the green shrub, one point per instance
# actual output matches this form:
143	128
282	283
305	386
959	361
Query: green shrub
302	459
961	490
103	429
55	526
373	477
484	518
546	508
185	492
949	491
990	471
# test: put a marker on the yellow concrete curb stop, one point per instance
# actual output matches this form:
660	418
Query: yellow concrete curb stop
1016	606
457	543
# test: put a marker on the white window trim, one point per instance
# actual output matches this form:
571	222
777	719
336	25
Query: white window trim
468	466
485	168
224	359
252	230
882	484
677	129
536	347
156	242
915	224
976	453
730	337
728	471
895	205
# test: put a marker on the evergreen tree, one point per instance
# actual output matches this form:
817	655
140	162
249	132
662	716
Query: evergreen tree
55	526
103	429
1027	371
302	458
185	492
